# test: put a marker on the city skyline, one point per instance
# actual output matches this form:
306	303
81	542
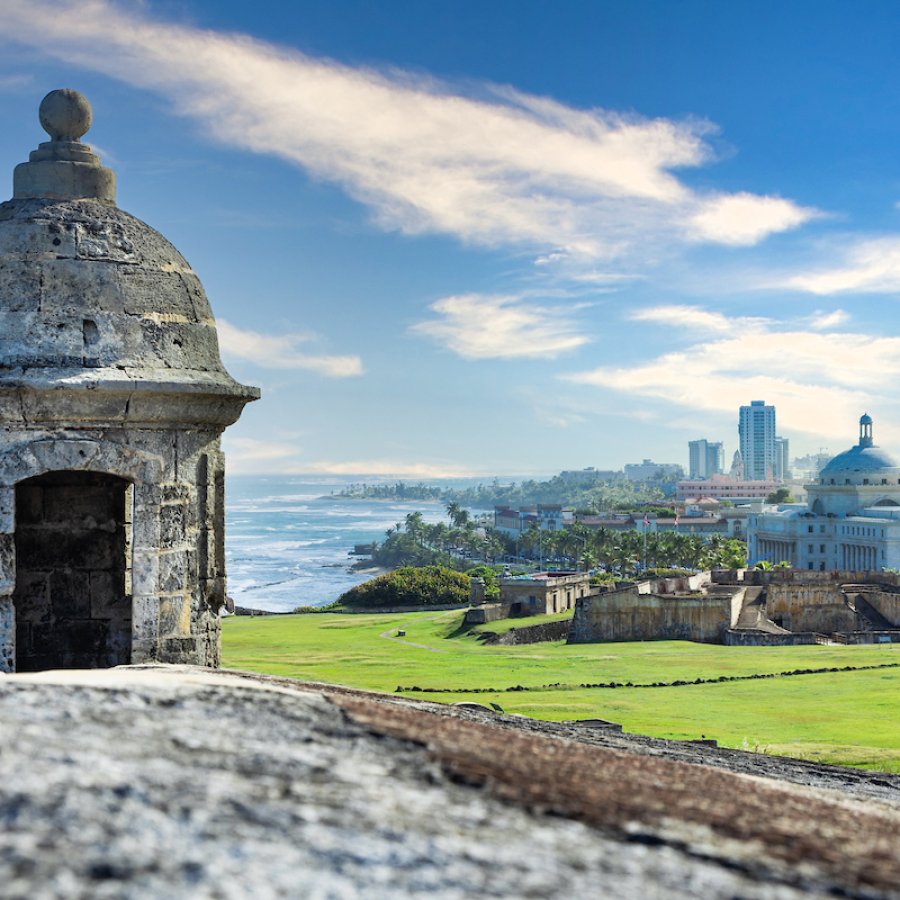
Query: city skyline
457	238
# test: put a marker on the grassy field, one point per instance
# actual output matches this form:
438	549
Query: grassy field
851	717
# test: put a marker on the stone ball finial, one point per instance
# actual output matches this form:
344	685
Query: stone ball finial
66	115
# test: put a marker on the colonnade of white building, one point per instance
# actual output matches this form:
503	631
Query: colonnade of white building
775	551
859	558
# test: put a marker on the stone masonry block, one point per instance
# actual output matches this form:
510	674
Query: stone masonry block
172	521
145	618
145	527
174	616
7	563
173	571
145	571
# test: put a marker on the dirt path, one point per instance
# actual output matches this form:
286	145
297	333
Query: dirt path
389	636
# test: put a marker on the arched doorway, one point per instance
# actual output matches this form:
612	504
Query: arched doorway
73	571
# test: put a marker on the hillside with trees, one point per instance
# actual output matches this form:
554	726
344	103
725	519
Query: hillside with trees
581	490
409	586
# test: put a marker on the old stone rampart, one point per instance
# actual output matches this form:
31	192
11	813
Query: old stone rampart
748	638
628	615
532	634
759	577
810	607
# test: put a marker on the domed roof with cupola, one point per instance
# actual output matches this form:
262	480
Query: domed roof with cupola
863	460
91	296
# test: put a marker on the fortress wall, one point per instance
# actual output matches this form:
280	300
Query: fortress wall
629	616
737	605
809	607
764	639
887	604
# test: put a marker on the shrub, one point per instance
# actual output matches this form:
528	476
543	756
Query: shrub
410	586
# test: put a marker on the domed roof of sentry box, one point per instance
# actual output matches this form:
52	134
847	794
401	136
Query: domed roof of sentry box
92	297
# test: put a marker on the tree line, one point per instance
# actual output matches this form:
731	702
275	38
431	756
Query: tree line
416	542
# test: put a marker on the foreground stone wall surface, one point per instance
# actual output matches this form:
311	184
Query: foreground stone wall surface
236	786
109	368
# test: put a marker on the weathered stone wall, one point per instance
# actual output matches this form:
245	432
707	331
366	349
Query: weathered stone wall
810	607
768	639
888	604
534	634
541	596
486	612
630	616
177	536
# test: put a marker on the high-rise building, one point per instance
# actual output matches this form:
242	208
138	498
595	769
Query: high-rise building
782	459
756	428
705	458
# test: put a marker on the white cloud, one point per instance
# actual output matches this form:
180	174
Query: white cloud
279	352
479	326
15	82
823	320
869	266
685	317
251	456
385	467
745	219
500	168
818	382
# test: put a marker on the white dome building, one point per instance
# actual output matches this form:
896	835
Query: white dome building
851	520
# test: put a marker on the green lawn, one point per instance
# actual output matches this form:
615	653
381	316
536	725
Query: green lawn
847	717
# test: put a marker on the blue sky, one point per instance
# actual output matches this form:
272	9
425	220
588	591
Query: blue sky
506	237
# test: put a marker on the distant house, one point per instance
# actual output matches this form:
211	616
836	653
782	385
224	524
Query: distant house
547	517
724	487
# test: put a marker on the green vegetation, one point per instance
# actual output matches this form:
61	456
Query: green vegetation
409	586
847	717
587	491
781	495
417	543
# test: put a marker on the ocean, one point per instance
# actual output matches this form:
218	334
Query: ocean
288	538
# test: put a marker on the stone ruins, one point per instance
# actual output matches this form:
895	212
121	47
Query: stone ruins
113	399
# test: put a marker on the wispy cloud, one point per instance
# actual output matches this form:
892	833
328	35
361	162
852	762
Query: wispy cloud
491	166
818	381
822	320
280	352
479	326
383	467
15	82
867	266
685	317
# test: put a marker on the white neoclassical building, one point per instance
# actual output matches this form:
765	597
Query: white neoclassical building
851	520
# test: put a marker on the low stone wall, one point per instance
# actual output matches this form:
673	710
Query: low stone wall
802	576
873	637
630	616
533	634
766	639
487	612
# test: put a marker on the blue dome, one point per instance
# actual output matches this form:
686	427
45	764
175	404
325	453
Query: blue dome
865	419
860	459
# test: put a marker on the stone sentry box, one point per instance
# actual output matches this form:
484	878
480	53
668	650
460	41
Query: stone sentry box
113	399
